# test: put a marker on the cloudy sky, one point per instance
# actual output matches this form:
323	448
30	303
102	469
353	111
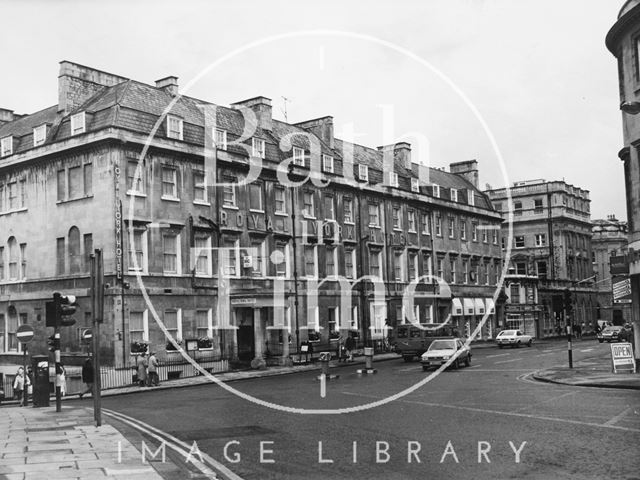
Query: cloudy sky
530	82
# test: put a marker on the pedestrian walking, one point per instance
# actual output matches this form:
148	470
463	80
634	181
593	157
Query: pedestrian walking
154	380
87	376
20	383
63	381
350	345
142	364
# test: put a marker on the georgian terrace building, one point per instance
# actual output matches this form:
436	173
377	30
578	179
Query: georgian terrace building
83	174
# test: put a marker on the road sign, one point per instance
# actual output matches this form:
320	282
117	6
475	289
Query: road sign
622	357
87	335
24	333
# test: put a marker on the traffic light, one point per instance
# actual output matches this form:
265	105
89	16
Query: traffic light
68	307
52	342
59	311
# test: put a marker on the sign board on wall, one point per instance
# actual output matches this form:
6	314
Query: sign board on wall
622	357
621	289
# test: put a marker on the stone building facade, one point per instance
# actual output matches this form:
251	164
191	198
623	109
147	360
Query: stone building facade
552	241
622	42
240	246
610	241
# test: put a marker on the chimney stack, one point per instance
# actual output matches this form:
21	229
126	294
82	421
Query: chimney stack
261	107
321	128
467	169
400	152
6	116
168	84
77	83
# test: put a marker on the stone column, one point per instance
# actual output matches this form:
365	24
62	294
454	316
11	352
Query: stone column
259	337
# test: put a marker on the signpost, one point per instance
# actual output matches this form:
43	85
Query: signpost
622	357
25	335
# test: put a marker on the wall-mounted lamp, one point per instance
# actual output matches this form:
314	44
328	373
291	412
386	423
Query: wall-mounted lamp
632	108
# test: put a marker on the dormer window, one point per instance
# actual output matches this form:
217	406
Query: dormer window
221	139
393	179
471	197
39	135
327	163
78	124
436	190
363	173
174	127
415	185
6	146
298	156
454	195
258	147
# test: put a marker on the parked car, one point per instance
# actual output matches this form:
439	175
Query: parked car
442	349
612	333
515	338
1	394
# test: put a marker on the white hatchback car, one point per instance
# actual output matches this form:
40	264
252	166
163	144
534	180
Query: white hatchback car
515	338
442	349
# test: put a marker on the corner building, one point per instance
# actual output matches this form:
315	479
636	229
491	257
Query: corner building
235	270
551	241
622	42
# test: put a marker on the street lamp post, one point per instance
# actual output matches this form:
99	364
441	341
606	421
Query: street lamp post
365	316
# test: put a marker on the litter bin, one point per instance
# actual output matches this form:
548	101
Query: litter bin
368	357
40	365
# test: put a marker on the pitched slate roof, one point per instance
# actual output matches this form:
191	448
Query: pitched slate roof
136	106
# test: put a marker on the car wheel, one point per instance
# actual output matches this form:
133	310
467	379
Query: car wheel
425	368
407	359
518	345
529	343
500	346
456	364
600	340
467	361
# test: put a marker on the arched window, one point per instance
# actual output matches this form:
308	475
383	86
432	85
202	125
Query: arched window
14	259
75	256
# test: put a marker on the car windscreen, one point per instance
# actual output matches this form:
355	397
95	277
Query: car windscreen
507	333
443	345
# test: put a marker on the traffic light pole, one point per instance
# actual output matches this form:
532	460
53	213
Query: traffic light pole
56	336
97	302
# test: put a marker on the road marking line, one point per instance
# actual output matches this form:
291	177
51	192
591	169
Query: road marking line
509	361
408	369
156	433
508	414
498	355
618	417
475	366
587	350
553	399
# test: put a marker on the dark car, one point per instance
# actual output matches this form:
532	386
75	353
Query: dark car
612	333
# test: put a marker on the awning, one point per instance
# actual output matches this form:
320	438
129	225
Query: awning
479	304
491	307
456	307
469	308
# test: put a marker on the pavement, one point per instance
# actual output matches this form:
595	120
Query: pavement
38	443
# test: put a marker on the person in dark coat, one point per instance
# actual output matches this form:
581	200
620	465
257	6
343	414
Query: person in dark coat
87	376
350	345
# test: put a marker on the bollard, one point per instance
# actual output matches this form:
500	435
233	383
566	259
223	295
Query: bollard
368	362
368	358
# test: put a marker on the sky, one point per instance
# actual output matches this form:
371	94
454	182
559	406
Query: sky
525	87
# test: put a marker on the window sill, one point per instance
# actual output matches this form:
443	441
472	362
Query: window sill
281	214
253	210
133	193
170	199
15	210
69	200
230	207
201	202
